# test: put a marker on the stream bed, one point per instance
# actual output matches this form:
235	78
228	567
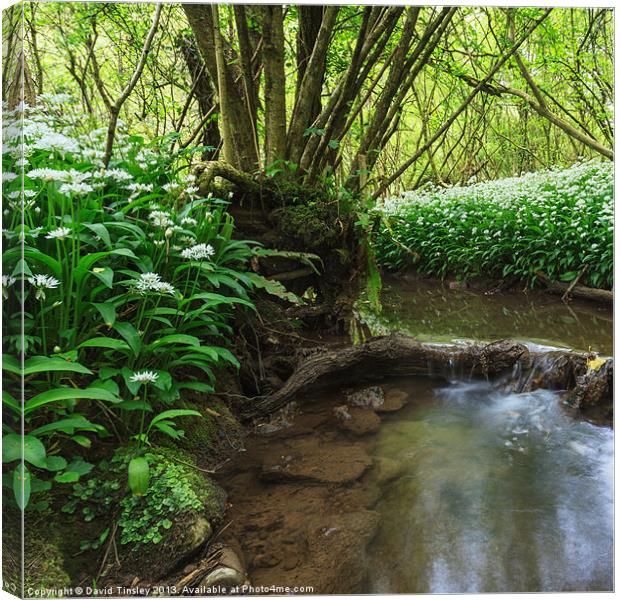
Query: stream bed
453	485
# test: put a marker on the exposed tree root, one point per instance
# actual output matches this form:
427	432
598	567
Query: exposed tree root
398	355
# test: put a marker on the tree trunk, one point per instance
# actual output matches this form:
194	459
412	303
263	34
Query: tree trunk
311	84
275	86
235	119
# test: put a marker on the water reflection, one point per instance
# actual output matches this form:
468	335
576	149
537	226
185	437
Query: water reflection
431	311
500	493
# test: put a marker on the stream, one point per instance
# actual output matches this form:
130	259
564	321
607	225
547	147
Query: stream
446	485
500	491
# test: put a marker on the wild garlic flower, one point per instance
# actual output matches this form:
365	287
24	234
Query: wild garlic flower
58	234
191	191
151	282
42	283
7	282
76	189
189	221
198	252
47	174
8	177
160	218
144	377
171	187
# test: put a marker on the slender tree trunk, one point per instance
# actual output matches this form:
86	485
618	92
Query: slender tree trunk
275	90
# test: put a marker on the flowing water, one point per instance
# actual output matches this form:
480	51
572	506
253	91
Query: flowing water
499	491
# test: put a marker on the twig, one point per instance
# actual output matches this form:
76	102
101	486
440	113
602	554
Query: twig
569	289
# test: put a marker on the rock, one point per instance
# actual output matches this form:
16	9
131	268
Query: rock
194	508
306	459
387	469
370	397
394	400
222	577
359	421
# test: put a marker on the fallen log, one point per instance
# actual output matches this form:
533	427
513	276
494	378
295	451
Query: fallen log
578	291
399	355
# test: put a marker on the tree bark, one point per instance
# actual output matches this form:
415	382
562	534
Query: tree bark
275	85
235	119
311	82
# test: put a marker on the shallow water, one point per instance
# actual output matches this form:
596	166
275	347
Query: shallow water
499	492
431	311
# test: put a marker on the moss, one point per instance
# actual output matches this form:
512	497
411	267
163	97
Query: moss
209	438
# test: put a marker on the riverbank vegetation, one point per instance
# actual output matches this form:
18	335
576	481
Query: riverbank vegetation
558	223
194	196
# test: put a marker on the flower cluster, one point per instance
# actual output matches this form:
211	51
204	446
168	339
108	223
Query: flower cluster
152	283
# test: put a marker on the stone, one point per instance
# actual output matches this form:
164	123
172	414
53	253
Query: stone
223	577
306	459
387	469
370	397
394	400
360	421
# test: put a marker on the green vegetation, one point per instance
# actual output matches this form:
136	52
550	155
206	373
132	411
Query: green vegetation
554	222
130	280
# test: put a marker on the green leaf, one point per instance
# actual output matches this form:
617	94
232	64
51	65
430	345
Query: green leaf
34	450
42	364
275	288
67	477
105	275
108	312
11	402
67	426
138	473
60	394
55	463
105	342
129	333
11	364
173	413
175	338
21	486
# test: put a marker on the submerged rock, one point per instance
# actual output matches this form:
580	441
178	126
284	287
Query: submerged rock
394	400
307	459
358	421
370	397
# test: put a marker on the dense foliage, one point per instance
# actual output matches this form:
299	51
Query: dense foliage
119	288
383	100
557	222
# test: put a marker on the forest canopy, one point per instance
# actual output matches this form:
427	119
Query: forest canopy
374	99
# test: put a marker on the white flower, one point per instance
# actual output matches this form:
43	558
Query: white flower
189	221
9	176
58	234
160	218
191	190
7	282
76	189
198	252
48	174
171	187
144	377
151	282
42	283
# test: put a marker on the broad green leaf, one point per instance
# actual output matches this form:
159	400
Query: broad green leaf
129	333
60	394
42	364
173	414
34	450
108	311
21	486
105	342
